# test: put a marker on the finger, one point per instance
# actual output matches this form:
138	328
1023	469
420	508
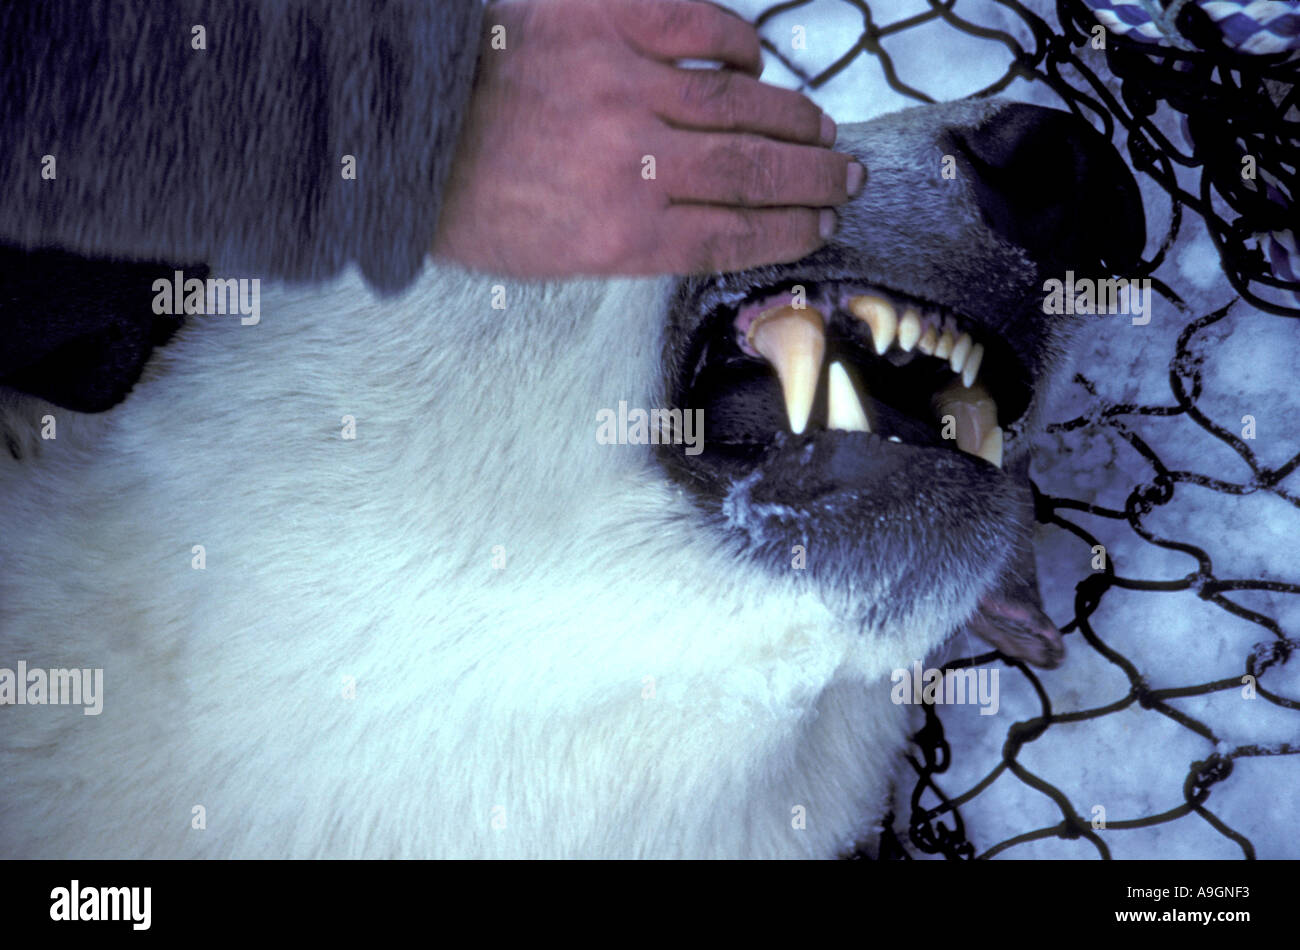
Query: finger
705	238
670	30
730	12
750	171
727	101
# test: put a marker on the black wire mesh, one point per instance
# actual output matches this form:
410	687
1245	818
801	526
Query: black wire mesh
1232	107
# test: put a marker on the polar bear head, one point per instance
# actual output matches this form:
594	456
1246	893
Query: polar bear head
872	405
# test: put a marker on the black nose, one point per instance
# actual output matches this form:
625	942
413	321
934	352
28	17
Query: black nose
1051	184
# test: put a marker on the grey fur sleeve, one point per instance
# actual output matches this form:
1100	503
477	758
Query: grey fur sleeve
234	154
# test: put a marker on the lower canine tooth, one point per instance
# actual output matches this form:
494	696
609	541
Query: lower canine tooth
991	448
974	413
794	342
878	314
843	408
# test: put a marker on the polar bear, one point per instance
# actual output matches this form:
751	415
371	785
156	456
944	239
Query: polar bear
370	578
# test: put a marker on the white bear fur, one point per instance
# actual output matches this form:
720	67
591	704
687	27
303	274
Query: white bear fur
624	687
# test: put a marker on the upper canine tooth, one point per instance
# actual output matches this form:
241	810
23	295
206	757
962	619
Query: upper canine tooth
961	349
843	408
972	364
929	339
943	349
991	447
878	314
909	330
794	342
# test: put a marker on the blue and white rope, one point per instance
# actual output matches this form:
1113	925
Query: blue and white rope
1259	26
1247	26
1280	246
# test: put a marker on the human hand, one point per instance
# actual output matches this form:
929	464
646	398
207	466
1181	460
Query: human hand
586	151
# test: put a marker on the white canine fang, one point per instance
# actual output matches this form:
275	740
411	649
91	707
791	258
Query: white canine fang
793	340
843	408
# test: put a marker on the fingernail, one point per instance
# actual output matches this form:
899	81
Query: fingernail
857	175
828	130
826	224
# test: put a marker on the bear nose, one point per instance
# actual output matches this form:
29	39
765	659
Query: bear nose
1050	183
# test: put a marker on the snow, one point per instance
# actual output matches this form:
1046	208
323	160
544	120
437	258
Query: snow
1133	762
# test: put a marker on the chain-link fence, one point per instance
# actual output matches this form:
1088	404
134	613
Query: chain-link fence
1241	116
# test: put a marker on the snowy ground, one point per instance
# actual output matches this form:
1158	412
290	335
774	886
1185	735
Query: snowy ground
1133	763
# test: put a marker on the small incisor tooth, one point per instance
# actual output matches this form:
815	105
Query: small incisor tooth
972	367
878	314
843	408
794	342
909	330
929	340
961	349
991	447
943	349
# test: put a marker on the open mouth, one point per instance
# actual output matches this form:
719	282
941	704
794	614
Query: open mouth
804	359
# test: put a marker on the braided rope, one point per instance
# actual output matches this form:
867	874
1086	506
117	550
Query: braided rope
1259	27
1255	27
